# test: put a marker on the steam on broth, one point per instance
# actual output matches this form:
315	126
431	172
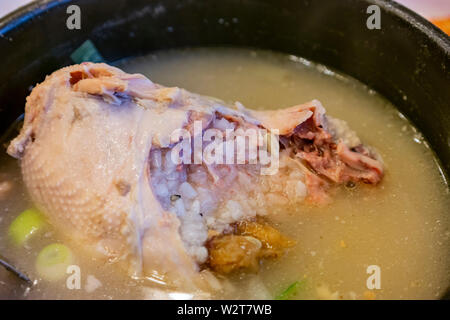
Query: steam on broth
402	225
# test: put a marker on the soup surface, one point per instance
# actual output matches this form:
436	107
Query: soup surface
400	228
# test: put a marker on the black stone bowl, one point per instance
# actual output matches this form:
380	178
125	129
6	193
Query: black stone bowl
407	60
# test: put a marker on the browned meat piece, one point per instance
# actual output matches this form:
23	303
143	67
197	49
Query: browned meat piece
232	252
251	242
324	153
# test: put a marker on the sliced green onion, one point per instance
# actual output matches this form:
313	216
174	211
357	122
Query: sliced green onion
290	291
25	225
53	260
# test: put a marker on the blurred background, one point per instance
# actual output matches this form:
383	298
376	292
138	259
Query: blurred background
438	11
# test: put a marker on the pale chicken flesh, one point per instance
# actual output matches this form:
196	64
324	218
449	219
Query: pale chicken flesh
91	149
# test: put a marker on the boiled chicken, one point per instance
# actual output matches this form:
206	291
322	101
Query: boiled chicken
97	156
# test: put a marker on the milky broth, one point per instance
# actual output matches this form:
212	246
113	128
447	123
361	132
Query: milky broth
402	225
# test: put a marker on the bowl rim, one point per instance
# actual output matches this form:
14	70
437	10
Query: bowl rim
31	10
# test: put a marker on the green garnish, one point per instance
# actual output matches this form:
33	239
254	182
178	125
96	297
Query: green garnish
291	291
86	52
25	225
53	260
